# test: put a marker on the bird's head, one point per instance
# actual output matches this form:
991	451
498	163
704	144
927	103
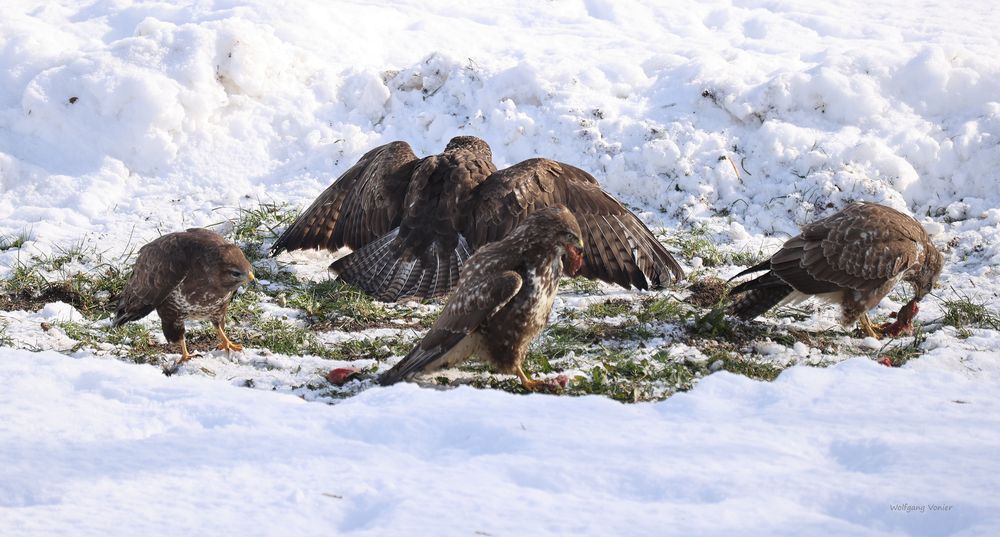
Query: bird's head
469	143
558	226
924	278
234	268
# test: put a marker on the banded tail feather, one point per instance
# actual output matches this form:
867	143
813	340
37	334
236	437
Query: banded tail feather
386	270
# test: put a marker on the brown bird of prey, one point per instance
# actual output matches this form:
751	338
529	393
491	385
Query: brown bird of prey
502	301
405	209
853	258
185	275
456	203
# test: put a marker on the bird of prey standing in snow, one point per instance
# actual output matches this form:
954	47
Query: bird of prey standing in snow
502	301
852	258
189	274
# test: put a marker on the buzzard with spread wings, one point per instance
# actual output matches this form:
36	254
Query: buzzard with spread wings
185	275
502	301
852	258
453	206
402	212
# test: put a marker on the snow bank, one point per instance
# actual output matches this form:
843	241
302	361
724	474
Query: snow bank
773	112
97	447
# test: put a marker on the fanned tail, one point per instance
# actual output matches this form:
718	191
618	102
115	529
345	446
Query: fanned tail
386	271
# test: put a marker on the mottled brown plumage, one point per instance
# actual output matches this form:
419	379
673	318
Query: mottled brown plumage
455	203
363	204
405	212
854	258
185	275
618	247
502	301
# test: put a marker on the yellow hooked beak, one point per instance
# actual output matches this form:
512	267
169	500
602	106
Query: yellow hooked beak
251	277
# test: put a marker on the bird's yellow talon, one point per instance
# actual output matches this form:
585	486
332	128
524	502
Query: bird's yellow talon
224	343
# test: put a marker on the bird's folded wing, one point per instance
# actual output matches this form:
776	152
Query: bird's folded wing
473	302
857	249
160	267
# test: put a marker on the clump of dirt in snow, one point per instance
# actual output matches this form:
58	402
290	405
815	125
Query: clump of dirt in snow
706	292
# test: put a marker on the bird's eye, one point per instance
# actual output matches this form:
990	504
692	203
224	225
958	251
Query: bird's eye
236	273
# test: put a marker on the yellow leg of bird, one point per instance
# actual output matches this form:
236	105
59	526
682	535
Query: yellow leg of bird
529	383
869	328
224	343
185	356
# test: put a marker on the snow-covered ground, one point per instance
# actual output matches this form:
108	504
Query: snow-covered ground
97	447
736	120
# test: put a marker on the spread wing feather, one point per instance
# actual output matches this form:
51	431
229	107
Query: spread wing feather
618	247
423	256
360	206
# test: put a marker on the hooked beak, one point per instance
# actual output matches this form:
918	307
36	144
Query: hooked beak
250	276
920	292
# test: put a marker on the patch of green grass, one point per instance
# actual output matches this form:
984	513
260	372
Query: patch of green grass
95	293
696	243
562	337
714	325
84	335
378	348
25	282
5	339
624	378
8	242
747	258
93	289
253	226
139	342
65	254
663	309
580	286
900	354
92	293
246	304
963	313
271	271
334	305
616	307
282	337
748	368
